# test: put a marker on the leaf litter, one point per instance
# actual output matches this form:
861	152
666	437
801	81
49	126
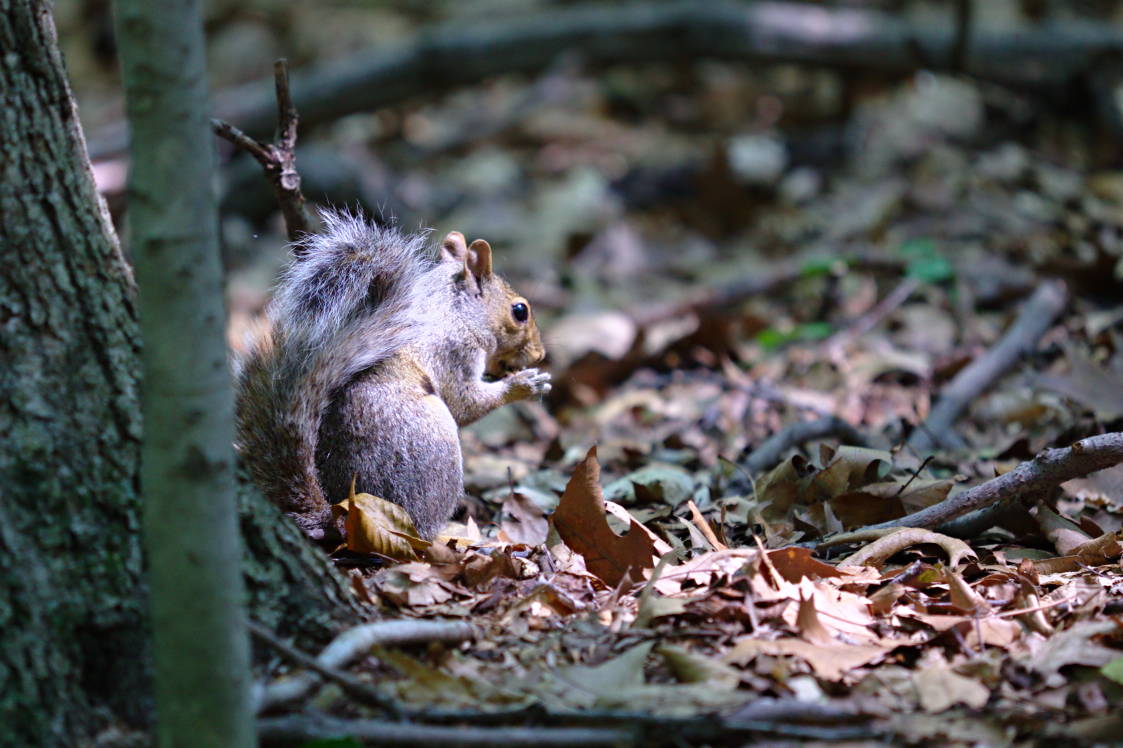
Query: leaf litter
633	549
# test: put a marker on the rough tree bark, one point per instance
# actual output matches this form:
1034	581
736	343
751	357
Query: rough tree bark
72	606
200	641
74	657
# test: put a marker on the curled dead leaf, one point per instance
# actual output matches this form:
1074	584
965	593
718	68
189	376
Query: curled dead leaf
374	525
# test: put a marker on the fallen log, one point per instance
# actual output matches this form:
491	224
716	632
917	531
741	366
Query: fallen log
1045	59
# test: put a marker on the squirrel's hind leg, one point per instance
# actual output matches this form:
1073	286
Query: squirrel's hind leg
399	442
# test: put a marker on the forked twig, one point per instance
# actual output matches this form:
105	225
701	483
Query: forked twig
278	159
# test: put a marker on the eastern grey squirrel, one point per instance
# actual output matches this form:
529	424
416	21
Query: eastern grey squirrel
374	356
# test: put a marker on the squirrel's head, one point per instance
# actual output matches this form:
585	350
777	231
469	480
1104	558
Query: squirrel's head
510	317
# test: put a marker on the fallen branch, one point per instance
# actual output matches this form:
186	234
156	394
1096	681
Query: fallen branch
278	159
873	317
459	54
352	685
352	644
1034	319
1046	471
301	728
596	728
771	451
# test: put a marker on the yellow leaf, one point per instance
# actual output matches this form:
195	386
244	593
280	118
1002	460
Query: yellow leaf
375	525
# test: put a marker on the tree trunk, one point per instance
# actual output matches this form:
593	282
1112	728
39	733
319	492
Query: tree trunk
74	654
200	641
72	607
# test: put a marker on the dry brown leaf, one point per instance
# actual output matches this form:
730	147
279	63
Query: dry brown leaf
1074	646
940	688
993	631
795	563
1099	550
525	521
612	676
619	512
860	508
808	623
704	528
581	524
700	571
882	601
422	681
962	596
1064	535
1090	384
1104	486
415	584
374	525
830	662
694	668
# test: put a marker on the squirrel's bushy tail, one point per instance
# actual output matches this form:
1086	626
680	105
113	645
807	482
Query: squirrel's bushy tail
339	309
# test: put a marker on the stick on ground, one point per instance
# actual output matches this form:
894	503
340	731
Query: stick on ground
1034	319
299	729
1046	471
352	644
352	685
771	451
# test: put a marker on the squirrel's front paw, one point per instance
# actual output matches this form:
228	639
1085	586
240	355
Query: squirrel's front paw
526	384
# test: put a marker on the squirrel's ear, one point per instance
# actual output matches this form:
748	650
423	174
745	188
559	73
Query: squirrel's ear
454	247
479	259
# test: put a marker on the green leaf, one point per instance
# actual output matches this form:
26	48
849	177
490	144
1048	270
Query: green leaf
1114	670
925	262
772	338
817	267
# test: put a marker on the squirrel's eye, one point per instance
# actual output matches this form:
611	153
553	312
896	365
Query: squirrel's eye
520	312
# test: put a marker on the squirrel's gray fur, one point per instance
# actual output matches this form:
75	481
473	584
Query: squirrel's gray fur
375	354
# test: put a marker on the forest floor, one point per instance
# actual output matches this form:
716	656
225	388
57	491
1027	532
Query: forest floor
780	307
773	356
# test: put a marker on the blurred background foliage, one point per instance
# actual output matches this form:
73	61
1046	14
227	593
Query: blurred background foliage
615	187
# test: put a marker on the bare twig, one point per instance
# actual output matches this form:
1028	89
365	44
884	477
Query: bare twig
239	139
971	524
963	16
348	682
352	644
1034	319
1044	472
279	158
870	319
772	450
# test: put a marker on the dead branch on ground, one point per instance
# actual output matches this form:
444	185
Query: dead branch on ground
1034	319
364	692
771	451
1044	472
352	644
458	54
584	729
300	728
